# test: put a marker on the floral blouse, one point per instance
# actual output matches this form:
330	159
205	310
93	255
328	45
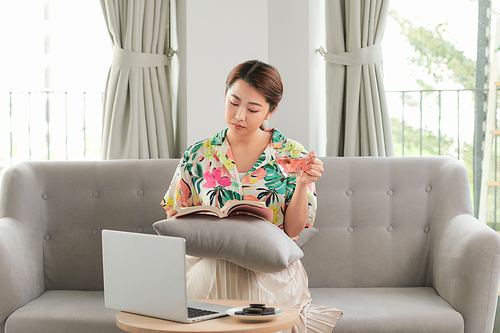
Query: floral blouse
207	175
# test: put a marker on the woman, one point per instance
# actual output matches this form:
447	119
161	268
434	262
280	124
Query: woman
238	163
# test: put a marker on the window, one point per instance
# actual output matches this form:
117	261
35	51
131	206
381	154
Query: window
56	58
433	91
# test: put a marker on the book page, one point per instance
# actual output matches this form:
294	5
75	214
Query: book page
253	211
254	208
211	210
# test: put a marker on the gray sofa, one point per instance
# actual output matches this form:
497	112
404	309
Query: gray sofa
397	248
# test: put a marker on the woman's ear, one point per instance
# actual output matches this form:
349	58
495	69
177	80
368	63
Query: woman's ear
270	113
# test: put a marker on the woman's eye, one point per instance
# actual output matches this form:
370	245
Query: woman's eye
233	104
253	111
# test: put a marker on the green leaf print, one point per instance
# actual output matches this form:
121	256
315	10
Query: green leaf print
230	195
194	148
197	181
278	136
217	139
213	194
278	185
267	195
188	167
186	157
259	162
220	195
275	179
199	170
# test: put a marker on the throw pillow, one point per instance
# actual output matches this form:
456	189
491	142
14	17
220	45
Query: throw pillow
244	240
305	235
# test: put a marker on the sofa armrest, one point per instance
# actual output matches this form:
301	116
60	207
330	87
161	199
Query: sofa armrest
21	266
466	269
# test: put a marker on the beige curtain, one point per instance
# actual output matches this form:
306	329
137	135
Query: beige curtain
358	122
137	114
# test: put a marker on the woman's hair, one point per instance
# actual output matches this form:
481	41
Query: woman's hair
263	77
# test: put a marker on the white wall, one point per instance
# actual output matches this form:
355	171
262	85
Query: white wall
216	35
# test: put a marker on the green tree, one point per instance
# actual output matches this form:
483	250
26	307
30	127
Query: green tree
438	56
440	59
430	144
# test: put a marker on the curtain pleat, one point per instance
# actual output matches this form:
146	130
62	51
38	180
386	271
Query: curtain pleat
358	122
137	111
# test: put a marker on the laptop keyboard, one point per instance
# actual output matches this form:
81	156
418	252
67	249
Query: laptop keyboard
195	312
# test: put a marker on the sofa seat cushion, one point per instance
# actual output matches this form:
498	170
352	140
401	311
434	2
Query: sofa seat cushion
390	310
64	311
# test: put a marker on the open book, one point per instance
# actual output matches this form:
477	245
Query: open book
233	207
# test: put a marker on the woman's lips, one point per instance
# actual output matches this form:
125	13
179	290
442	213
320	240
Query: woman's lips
238	126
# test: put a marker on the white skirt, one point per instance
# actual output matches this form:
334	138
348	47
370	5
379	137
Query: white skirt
220	279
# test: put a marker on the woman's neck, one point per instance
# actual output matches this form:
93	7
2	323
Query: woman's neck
248	139
247	149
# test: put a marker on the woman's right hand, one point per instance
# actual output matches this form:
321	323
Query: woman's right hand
313	169
171	212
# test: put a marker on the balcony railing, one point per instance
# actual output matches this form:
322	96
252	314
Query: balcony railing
67	126
49	126
441	122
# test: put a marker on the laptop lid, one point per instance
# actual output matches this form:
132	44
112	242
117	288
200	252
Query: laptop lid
145	274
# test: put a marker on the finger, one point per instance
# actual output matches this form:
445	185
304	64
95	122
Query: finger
313	173
314	162
311	157
315	165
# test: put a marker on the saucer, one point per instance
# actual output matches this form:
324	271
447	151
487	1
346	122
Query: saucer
254	319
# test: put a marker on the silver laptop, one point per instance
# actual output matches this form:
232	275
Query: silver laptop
146	274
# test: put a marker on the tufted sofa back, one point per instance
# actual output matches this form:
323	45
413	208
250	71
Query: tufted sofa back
376	216
67	204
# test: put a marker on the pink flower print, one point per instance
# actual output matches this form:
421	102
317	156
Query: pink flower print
212	179
254	177
250	198
183	194
216	156
224	172
229	154
277	145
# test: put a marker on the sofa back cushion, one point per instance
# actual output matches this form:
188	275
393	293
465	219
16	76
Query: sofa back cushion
376	217
75	201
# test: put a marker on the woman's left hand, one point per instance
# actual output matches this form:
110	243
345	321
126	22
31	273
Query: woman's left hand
313	169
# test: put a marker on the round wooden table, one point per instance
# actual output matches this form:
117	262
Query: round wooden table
134	323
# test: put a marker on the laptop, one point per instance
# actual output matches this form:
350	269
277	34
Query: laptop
146	274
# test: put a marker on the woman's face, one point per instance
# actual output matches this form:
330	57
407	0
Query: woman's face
246	109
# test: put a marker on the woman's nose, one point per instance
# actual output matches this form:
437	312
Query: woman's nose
240	113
